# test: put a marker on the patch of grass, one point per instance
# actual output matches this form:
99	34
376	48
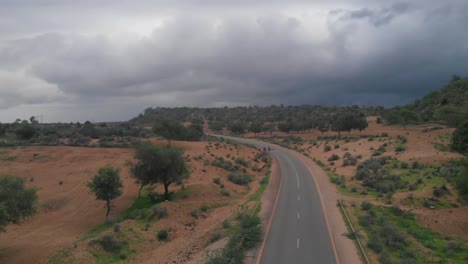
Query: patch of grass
263	184
392	228
442	147
9	158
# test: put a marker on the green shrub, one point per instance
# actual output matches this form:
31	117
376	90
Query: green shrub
400	148
327	148
163	235
242	162
215	236
334	157
225	192
108	243
366	206
375	244
159	211
204	208
217	180
226	224
240	179
195	213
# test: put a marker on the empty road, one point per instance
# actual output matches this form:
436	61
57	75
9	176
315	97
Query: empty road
299	232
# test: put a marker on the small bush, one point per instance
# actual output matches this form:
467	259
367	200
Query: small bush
366	206
375	244
217	180
368	219
225	192
117	228
215	236
242	162
159	211
108	243
240	179
326	148
334	157
163	235
204	208
195	213
400	148
226	224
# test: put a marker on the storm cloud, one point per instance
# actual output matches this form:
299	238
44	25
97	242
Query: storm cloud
108	60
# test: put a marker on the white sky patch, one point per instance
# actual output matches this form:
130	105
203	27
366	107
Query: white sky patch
19	87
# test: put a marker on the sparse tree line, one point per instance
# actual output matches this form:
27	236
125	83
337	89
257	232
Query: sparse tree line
117	134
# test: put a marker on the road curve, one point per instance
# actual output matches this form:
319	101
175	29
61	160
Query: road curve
299	231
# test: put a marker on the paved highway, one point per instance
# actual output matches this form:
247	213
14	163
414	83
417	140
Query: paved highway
299	232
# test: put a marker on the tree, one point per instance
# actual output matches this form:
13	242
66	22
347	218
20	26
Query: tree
194	132
408	117
460	138
451	115
33	120
2	129
16	201
284	126
462	182
106	185
256	127
159	165
168	129
25	131
237	127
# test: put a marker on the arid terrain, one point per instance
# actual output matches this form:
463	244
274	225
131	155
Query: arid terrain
423	150
70	218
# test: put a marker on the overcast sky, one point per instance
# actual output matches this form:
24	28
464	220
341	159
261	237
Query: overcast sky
108	60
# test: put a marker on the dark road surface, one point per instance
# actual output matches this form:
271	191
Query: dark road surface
298	233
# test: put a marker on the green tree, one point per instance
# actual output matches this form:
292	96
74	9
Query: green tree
16	201
169	129
460	138
237	127
450	115
106	185
462	183
285	126
25	131
159	165
2	129
256	127
408	117
194	132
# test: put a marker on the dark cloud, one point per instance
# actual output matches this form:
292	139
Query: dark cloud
378	17
127	57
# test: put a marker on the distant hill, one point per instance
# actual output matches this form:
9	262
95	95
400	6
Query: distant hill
448	106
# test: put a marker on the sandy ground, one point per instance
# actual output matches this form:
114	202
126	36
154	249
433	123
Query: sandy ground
72	210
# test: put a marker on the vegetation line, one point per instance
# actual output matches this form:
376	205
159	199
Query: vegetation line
354	232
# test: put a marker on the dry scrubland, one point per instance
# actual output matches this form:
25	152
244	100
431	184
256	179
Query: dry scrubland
69	226
414	209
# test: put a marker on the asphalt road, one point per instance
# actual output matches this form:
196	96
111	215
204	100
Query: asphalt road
298	233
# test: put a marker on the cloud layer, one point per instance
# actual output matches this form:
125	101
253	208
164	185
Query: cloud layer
111	60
